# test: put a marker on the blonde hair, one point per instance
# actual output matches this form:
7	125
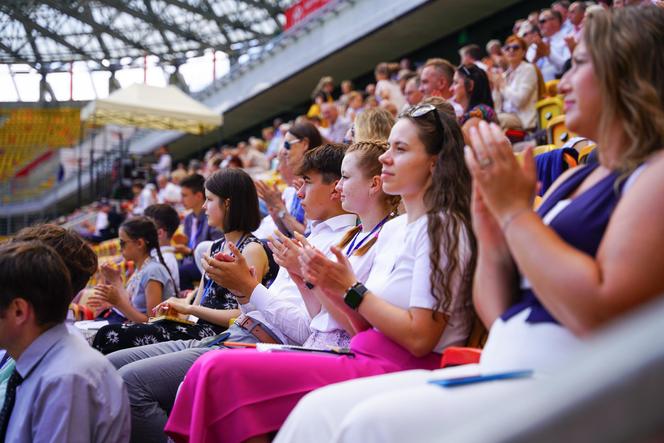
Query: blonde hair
373	124
623	48
368	153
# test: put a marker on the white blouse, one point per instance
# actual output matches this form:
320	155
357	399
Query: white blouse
401	273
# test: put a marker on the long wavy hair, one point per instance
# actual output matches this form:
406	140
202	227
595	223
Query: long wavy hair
449	196
625	47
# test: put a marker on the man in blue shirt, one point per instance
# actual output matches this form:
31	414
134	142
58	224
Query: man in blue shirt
61	390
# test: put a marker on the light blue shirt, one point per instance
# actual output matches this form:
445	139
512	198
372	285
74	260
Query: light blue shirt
70	394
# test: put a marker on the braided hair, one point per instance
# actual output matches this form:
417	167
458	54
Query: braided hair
144	228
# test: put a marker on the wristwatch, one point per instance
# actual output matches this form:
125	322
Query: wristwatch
355	295
281	214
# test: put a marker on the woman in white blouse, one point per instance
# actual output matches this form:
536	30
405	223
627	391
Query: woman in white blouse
517	90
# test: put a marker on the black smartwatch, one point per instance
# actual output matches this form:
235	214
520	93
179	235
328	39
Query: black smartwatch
355	295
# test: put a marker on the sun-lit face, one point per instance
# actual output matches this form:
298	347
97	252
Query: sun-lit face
459	91
190	199
354	187
131	249
215	208
407	167
296	146
582	96
317	196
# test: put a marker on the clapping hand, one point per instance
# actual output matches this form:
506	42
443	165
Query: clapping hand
333	277
286	252
504	186
233	273
111	274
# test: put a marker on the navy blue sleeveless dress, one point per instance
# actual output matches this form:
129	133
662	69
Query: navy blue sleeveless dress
581	224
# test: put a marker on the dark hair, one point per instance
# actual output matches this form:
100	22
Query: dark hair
326	160
164	216
194	182
477	83
473	50
144	228
78	256
308	131
36	273
449	195
238	187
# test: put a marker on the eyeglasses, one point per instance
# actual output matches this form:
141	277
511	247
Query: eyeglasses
289	144
424	110
123	243
544	20
508	48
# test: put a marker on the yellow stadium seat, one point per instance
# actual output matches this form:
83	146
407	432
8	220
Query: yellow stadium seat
585	151
556	131
547	109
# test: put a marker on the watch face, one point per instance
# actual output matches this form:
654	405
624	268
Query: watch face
353	297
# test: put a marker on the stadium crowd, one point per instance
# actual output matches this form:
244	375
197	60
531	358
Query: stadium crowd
303	285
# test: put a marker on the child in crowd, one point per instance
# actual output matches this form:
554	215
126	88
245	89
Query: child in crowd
149	285
167	220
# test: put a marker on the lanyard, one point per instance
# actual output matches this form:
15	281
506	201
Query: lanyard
352	247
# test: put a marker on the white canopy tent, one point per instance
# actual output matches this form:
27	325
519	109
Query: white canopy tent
152	107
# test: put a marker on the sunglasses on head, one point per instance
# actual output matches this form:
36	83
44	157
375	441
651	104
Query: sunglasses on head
289	144
514	47
424	110
465	70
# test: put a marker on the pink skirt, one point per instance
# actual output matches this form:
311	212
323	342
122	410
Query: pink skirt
231	395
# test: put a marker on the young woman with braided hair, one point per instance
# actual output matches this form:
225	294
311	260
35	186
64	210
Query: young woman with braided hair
150	284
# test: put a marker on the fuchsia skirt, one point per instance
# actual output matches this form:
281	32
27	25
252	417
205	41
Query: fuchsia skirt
231	395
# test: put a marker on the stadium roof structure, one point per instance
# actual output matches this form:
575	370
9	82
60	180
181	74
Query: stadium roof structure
49	34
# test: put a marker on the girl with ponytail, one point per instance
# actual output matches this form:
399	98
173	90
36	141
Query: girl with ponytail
150	284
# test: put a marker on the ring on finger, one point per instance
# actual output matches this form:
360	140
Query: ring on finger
485	162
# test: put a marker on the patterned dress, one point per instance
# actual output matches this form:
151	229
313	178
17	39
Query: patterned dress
112	338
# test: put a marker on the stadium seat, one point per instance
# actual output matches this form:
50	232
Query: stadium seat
557	133
547	109
585	151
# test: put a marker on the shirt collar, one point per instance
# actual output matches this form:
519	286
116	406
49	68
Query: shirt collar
31	357
337	223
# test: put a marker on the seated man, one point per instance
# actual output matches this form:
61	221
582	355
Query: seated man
67	391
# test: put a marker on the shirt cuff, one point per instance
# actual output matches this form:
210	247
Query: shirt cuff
260	297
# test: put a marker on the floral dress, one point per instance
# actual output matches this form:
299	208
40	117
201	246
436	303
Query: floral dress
112	338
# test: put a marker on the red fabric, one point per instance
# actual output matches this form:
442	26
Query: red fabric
456	356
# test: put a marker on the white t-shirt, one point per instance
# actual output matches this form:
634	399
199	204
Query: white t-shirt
406	283
171	193
362	265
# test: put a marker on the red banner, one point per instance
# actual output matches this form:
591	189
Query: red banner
301	10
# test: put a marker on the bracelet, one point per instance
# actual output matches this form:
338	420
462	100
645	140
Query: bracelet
512	217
